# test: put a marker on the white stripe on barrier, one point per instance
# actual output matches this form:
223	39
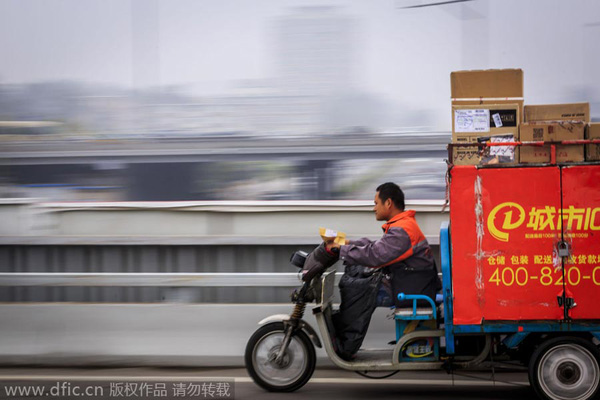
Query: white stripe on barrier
205	279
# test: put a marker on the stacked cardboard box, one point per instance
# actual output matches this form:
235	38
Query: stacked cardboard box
494	122
558	112
593	150
554	122
486	105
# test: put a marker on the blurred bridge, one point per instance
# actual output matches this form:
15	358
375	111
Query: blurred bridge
179	163
160	283
243	148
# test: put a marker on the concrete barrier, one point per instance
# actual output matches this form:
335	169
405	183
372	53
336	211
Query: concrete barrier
145	334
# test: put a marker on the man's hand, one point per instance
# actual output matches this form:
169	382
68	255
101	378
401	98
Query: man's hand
331	246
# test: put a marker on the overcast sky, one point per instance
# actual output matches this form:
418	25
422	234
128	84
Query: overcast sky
404	55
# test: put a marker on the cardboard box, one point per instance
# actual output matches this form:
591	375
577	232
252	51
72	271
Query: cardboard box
558	112
465	155
593	150
551	131
492	155
482	87
481	123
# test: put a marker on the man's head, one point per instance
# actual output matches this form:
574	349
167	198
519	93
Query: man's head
389	201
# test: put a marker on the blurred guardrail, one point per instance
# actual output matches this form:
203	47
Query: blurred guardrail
161	283
235	279
34	222
174	237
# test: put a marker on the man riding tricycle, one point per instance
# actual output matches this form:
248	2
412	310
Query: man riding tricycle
520	267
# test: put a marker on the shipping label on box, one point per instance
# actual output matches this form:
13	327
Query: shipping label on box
593	150
551	132
471	121
558	112
503	151
487	120
480	120
485	156
499	154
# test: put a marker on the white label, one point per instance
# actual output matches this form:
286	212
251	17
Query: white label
471	120
497	120
503	151
330	233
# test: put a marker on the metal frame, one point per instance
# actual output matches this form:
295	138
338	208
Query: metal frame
445	257
416	314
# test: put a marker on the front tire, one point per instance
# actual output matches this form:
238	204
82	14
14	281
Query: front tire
565	368
297	366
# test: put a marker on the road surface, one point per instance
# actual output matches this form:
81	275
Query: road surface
326	383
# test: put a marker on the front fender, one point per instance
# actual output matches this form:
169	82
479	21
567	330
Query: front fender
312	334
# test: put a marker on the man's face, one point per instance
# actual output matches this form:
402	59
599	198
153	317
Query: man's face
382	209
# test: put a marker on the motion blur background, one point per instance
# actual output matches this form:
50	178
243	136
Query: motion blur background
146	147
140	100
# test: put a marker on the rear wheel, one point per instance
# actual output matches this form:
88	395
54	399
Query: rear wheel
294	370
565	368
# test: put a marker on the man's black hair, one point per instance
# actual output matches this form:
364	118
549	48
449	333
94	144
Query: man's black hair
390	190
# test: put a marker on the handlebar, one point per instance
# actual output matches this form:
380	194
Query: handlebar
311	273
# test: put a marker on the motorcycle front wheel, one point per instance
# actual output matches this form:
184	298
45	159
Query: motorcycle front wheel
292	372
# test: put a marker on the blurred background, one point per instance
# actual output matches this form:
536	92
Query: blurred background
145	100
147	145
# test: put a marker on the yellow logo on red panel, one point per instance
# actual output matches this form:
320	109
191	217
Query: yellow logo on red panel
514	216
509	216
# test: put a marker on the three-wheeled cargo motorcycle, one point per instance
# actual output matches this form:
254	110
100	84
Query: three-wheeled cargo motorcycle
520	266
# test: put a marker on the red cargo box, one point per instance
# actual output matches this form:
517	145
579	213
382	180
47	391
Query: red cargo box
506	225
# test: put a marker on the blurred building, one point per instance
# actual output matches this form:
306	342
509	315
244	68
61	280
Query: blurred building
145	42
314	93
316	65
315	51
315	83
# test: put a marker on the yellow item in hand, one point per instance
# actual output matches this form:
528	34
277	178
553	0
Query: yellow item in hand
329	235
